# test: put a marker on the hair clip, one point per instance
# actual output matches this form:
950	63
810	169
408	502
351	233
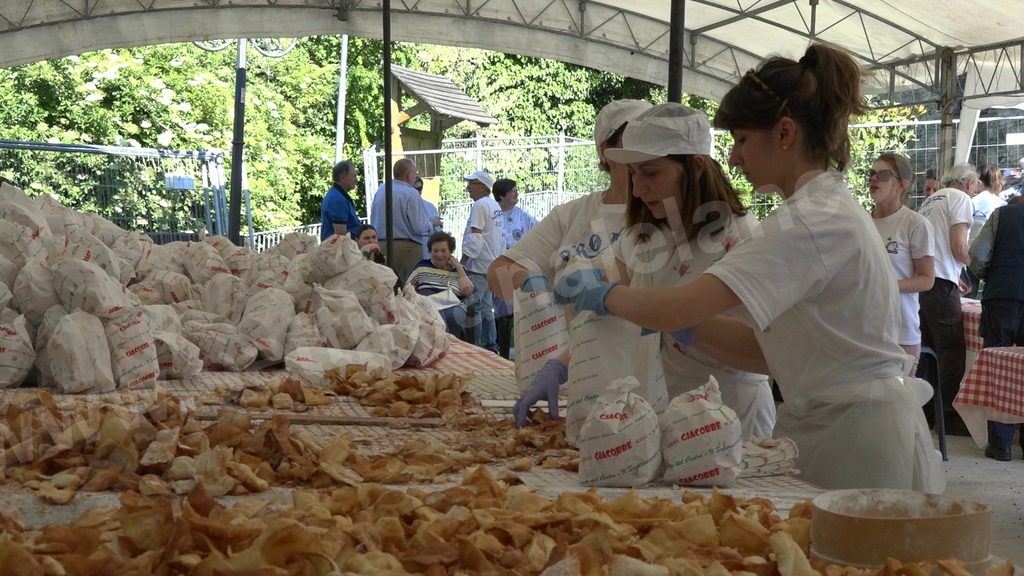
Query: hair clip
767	89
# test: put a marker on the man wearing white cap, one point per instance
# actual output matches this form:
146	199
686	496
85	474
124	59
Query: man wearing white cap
481	244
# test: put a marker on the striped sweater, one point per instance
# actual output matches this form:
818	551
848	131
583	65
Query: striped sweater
440	286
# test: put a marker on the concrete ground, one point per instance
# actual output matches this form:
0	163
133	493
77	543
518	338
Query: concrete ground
972	476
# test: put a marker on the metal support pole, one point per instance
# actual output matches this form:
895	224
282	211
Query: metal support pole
561	163
339	130
675	51
389	224
947	101
237	148
814	20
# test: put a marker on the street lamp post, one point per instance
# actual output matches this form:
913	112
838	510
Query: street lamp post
271	48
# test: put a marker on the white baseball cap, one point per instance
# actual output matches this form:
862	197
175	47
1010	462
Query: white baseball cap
483	176
614	115
664	129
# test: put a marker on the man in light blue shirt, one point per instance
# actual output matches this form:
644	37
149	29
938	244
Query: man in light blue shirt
410	222
338	212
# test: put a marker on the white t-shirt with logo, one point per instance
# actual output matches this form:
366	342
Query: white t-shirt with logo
584	227
944	209
906	236
482	248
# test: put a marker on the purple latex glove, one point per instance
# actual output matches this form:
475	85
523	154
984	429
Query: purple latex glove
545	386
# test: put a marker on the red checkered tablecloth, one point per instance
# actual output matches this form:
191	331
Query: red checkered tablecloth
464	358
992	390
972	323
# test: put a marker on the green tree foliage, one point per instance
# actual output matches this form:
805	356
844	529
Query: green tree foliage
181	97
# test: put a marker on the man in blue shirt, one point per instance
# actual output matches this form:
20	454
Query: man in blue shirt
409	220
338	212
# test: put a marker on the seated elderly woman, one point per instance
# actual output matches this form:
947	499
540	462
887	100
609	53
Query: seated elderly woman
443	280
366	239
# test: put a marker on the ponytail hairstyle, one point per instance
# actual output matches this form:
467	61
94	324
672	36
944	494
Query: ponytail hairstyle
990	176
819	92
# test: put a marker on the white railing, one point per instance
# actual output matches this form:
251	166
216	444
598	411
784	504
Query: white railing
260	241
536	204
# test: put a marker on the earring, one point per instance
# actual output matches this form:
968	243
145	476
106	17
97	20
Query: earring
785	146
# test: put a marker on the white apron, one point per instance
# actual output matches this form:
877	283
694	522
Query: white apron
865	435
748	394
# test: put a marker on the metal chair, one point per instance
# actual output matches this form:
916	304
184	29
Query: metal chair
928	370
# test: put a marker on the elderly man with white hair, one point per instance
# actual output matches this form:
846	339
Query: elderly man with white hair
942	329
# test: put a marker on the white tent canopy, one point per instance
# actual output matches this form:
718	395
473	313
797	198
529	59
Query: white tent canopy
723	38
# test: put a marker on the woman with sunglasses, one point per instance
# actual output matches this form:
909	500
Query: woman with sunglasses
907	237
816	282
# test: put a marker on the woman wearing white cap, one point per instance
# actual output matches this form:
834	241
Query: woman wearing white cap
585	228
816	282
681	217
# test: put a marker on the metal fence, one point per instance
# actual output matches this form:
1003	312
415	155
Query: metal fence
172	195
261	241
558	164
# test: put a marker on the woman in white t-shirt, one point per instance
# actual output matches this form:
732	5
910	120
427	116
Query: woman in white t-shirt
583	229
671	238
815	281
907	237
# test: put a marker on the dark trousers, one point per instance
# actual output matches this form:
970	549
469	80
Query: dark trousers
1002	324
942	330
504	325
454	320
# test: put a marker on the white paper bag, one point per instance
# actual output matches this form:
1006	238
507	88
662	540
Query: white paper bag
81	245
374	286
51	319
391	340
17	354
85	286
221	346
163	318
701	439
294	244
265	321
34	291
332	257
310	363
163	287
541	333
133	355
619	440
177	357
432	342
340	318
303	333
227	296
202	262
80	356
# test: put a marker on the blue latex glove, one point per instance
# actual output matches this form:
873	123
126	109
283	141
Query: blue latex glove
684	336
572	285
584	289
536	283
544	387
